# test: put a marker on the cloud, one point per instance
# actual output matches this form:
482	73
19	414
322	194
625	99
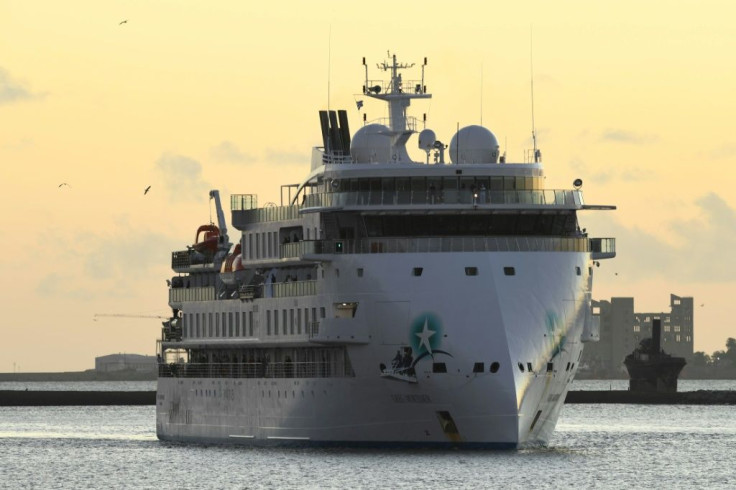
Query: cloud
587	172
622	136
182	177
226	151
12	90
727	150
700	253
286	157
109	265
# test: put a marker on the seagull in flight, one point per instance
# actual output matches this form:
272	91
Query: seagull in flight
123	22
147	189
64	184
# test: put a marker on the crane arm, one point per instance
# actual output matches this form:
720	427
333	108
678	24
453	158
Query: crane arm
215	194
124	315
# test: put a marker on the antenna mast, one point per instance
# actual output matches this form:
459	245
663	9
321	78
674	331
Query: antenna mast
537	153
329	65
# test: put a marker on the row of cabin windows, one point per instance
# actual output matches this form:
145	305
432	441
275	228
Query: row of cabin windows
423	184
436	225
469	271
220	324
292	321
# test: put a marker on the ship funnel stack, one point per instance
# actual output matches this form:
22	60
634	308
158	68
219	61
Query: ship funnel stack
335	134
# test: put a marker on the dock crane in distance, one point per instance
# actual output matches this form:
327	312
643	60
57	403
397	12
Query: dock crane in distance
125	315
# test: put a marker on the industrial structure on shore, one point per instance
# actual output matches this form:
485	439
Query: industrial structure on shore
622	329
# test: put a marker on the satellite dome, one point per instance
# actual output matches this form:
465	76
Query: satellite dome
474	144
427	139
371	143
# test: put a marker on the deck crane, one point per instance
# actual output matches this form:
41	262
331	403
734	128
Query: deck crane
125	315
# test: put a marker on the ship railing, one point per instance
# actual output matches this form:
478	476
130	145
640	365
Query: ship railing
297	249
184	259
244	217
407	87
294	288
545	197
283	369
243	202
178	295
603	248
452	244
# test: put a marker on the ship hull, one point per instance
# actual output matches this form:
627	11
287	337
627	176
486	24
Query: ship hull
495	339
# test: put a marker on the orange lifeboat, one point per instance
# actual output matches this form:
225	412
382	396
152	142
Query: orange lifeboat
233	262
207	239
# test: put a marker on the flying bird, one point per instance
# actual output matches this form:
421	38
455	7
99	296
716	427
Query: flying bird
64	183
123	22
147	189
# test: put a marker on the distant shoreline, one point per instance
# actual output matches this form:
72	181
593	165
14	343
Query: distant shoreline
90	375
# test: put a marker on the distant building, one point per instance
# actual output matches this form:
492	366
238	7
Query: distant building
120	362
621	330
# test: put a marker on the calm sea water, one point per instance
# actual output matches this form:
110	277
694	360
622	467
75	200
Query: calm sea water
604	446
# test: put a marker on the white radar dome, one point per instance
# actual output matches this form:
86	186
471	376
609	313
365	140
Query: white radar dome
474	144
371	143
427	139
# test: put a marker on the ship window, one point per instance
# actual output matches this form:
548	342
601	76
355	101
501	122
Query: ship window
283	323
521	367
439	367
299	321
237	325
572	366
550	367
291	321
209	324
276	322
494	367
250	323
529	367
567	368
322	313
577	270
345	309
417	271
360	272
479	367
471	271
268	322
509	271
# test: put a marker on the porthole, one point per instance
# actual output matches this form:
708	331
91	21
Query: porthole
521	367
494	367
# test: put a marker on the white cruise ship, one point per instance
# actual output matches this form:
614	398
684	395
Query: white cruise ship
386	301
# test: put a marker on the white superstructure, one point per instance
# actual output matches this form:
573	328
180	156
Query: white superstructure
388	302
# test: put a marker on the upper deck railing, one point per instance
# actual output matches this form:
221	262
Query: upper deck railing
567	199
547	197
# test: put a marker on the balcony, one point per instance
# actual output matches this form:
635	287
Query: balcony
602	248
180	295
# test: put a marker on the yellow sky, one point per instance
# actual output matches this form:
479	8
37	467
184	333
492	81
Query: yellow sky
636	98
